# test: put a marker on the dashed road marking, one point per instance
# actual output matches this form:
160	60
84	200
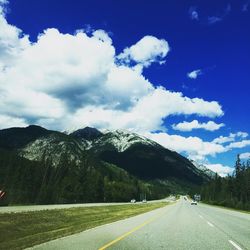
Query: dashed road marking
235	245
210	224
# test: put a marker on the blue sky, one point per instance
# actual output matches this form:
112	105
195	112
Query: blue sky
133	59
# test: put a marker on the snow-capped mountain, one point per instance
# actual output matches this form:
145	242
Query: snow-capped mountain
53	147
122	140
139	156
203	169
44	166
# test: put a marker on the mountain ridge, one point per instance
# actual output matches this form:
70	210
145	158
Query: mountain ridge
116	159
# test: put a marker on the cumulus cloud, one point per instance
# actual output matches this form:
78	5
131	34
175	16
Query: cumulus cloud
146	51
239	144
65	81
231	138
3	4
9	121
189	126
193	13
194	74
220	169
194	147
245	156
154	106
12	41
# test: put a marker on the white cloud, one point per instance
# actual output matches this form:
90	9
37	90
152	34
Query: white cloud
12	41
194	147
189	126
231	138
63	81
8	121
161	101
3	3
223	139
240	144
245	156
194	74
214	19
220	169
146	51
193	13
242	134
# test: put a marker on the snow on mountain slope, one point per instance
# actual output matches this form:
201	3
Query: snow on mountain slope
54	145
122	140
203	169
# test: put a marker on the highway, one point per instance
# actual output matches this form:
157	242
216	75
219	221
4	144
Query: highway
27	208
177	226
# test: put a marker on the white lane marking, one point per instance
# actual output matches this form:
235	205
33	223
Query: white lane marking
201	216
235	245
210	224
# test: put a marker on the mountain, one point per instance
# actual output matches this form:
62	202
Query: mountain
14	138
144	158
87	133
209	173
53	147
88	165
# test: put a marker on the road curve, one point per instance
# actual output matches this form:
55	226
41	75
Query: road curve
177	226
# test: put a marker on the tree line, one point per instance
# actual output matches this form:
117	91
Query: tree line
231	191
32	182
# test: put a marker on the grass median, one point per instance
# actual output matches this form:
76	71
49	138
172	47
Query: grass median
26	229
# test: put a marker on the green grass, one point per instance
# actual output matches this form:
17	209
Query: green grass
26	229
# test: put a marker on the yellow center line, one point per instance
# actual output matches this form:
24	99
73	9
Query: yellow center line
130	232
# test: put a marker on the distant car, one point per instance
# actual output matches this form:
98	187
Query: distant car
193	202
144	201
133	201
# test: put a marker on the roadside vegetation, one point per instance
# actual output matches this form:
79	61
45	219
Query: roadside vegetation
33	182
26	229
231	191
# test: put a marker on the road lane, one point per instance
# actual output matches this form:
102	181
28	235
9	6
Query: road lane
100	236
180	228
236	225
177	226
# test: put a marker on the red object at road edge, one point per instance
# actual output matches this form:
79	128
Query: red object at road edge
2	193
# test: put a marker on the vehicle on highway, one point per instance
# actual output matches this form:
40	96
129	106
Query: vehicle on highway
133	201
193	202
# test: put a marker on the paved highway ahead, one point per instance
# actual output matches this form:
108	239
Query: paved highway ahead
177	226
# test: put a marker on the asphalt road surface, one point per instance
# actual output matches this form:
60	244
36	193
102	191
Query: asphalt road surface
27	208
177	226
19	209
